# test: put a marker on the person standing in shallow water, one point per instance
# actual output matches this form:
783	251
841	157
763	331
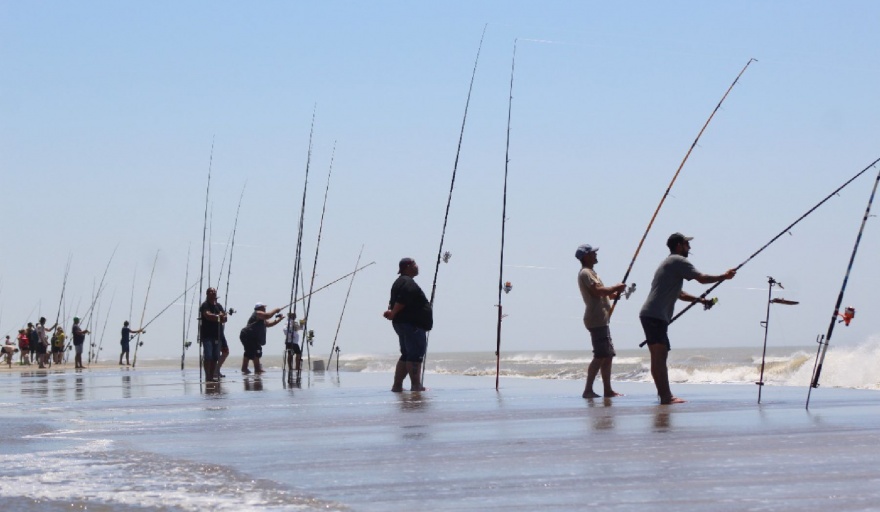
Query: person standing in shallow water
212	316
125	340
259	321
79	338
656	313
412	317
596	319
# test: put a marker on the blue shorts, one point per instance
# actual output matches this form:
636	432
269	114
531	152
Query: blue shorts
413	342
124	346
211	349
655	331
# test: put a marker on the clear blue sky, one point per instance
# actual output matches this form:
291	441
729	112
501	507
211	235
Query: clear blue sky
108	111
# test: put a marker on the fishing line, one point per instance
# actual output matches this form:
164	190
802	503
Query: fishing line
339	324
784	231
823	344
674	177
144	311
184	346
504	221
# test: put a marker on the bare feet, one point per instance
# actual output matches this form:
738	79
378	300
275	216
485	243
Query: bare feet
673	400
590	394
613	394
397	389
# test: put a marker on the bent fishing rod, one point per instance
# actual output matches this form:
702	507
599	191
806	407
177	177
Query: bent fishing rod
674	177
784	231
823	344
455	167
503	221
157	315
451	188
328	284
183	327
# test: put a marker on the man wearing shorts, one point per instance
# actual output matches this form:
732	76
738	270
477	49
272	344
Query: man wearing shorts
291	344
412	317
656	313
596	318
79	338
211	317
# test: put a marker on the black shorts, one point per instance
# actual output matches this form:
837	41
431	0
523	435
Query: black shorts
602	344
294	347
253	350
655	331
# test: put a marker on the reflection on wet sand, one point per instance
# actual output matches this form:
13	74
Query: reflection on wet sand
254	384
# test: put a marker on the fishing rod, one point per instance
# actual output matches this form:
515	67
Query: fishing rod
101	285
308	305
784	231
231	250
144	311
202	270
504	221
823	344
330	284
666	193
63	287
455	166
104	329
297	261
339	324
183	325
440	254
163	310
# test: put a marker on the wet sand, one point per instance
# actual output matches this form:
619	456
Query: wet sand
343	441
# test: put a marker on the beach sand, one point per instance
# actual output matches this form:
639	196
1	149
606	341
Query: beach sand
154	438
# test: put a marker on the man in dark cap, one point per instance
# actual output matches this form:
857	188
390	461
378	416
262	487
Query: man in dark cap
412	317
596	318
656	313
211	317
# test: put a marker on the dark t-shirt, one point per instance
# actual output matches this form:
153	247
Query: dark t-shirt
33	338
126	335
79	336
211	328
258	328
417	310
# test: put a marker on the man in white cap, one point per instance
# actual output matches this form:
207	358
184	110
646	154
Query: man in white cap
656	313
596	318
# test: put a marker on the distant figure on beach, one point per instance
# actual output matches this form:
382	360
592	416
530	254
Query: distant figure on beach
212	316
8	350
125	340
79	338
598	307
44	344
656	313
58	340
254	335
33	342
412	317
23	347
291	343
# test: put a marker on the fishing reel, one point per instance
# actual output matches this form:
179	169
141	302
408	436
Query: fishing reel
231	311
187	344
507	287
310	337
708	305
446	256
279	316
631	289
847	315
140	344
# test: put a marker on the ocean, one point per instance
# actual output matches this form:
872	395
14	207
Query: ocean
156	438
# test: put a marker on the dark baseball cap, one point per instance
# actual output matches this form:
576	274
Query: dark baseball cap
584	250
677	238
405	262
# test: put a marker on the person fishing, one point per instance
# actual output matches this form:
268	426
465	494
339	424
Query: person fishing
23	348
412	317
213	316
291	343
596	319
79	338
58	340
125	340
253	336
656	313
